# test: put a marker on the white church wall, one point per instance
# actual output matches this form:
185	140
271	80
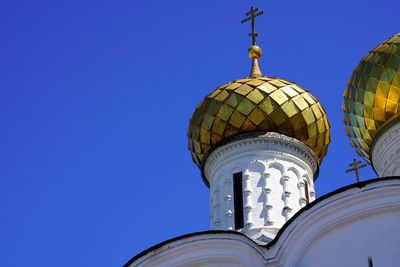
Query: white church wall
344	229
373	236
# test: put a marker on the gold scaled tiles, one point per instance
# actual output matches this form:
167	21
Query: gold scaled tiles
257	105
290	91
246	106
254	82
236	119
233	86
372	95
300	102
244	89
279	96
222	96
224	112
290	108
255	96
257	116
267	88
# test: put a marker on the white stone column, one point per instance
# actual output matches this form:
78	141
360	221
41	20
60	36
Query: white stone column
228	204
216	208
311	189
302	192
270	192
248	203
286	195
269	220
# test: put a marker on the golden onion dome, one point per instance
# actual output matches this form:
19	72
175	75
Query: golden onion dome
371	98
257	104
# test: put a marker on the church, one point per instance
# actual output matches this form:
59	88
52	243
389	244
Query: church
259	142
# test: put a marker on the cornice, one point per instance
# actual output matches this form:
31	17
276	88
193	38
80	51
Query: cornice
271	142
197	246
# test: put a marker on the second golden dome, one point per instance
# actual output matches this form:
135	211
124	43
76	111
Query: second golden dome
372	96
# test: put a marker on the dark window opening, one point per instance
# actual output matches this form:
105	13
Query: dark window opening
238	200
370	263
306	192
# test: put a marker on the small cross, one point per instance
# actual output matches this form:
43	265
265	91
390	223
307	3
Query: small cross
252	16
356	166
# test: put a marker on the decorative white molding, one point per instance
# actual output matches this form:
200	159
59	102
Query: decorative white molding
216	206
269	221
270	142
224	250
271	167
286	194
386	152
247	205
302	192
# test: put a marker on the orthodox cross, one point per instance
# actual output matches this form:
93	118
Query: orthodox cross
355	167
252	14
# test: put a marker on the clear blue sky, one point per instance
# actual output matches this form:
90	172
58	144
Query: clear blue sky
95	98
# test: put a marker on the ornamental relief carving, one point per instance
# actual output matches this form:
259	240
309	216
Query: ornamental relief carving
278	144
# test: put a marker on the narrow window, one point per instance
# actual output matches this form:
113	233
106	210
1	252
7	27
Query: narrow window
370	263
306	192
238	200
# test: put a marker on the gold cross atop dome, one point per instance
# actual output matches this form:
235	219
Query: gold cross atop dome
254	50
355	167
253	13
256	105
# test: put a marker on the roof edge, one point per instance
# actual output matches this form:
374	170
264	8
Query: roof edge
280	232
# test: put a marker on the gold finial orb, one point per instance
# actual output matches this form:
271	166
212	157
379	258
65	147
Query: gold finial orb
255	52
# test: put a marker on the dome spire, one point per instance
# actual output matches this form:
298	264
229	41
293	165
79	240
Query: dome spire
254	50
